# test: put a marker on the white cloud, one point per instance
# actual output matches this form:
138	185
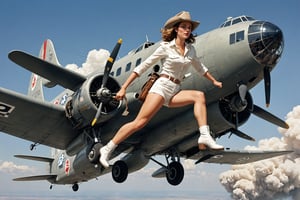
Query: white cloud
272	178
96	59
10	167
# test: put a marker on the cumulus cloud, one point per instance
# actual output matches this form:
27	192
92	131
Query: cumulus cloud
96	59
10	167
272	178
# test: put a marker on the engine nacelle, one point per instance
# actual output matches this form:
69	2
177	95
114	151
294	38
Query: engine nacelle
84	104
230	112
135	160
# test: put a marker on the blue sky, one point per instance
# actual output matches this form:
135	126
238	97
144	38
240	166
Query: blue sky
77	28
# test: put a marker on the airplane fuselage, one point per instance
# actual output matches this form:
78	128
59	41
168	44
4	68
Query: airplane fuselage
239	54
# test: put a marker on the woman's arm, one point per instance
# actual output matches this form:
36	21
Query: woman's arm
213	80
122	92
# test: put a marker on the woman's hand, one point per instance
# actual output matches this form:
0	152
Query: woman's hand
218	84
121	94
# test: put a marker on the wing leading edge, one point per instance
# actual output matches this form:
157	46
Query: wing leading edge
33	120
235	157
52	72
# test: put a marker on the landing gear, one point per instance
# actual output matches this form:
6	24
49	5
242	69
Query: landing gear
119	171
75	187
32	146
94	153
174	171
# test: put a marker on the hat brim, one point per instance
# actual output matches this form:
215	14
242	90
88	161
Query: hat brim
169	25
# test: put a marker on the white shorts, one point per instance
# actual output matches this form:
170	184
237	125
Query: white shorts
165	88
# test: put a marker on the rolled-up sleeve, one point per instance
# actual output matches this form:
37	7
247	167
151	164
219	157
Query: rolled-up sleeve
157	55
197	64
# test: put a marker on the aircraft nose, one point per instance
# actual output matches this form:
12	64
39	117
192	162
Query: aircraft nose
266	42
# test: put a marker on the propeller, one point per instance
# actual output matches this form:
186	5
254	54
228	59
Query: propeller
267	79
241	103
103	91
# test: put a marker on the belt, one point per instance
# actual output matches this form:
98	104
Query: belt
174	80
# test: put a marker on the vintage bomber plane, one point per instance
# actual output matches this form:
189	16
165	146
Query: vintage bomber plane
240	53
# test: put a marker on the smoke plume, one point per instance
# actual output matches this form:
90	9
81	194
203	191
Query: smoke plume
274	178
96	59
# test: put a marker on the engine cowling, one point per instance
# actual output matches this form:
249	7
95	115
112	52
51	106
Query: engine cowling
82	108
230	112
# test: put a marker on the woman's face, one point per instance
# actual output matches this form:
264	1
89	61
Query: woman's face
184	30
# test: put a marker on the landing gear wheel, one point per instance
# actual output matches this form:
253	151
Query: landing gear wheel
175	173
94	153
75	187
119	171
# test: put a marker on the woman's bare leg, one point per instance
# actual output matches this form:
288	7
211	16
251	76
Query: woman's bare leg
152	104
186	97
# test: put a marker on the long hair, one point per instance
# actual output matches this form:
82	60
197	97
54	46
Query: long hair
170	33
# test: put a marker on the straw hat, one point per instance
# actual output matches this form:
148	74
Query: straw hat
180	17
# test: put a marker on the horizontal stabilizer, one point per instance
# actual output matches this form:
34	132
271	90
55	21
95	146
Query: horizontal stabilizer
36	178
56	74
235	157
35	158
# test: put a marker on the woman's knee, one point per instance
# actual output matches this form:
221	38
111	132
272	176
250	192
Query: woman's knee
199	96
139	124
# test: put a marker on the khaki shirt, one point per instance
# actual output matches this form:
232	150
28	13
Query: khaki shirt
174	64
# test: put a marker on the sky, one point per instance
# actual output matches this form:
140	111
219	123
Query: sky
77	27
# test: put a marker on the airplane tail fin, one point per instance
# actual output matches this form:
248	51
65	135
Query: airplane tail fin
47	53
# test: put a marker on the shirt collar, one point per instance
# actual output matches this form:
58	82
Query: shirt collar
187	46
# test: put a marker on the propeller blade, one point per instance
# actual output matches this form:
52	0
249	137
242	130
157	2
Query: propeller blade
107	70
242	92
267	79
110	62
241	134
97	114
269	117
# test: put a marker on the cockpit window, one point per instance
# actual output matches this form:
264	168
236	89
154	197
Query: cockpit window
144	46
231	21
237	20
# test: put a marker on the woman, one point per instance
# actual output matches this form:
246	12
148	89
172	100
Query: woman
177	54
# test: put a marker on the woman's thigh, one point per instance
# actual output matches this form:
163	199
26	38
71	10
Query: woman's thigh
152	104
185	97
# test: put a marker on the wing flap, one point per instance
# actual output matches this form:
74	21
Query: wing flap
34	120
56	74
235	157
37	178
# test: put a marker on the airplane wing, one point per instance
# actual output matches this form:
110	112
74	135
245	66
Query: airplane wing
62	76
37	178
235	157
37	121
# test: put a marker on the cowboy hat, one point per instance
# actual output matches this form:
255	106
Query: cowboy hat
180	17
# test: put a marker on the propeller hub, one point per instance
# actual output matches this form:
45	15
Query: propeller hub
238	105
104	94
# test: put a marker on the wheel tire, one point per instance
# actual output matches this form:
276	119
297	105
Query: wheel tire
75	187
119	171
94	154
175	173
